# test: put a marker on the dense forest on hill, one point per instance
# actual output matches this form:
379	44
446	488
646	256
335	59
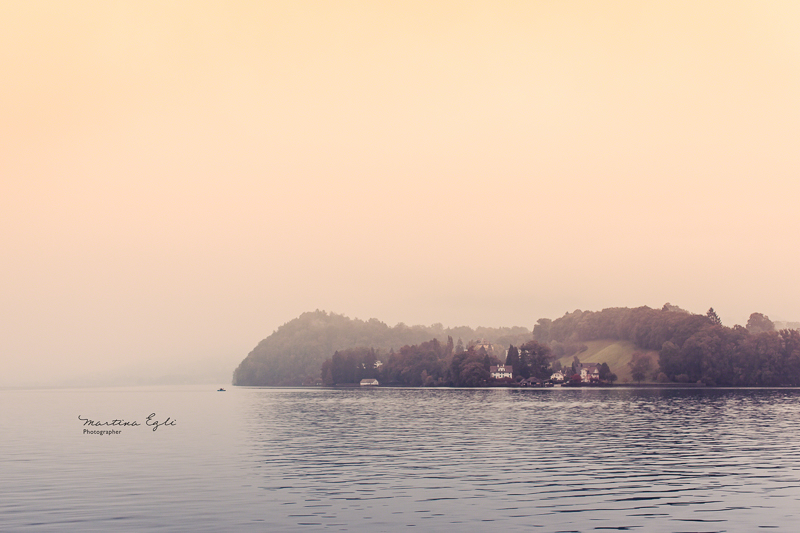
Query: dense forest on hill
691	348
294	353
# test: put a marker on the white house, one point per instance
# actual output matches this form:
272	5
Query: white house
369	382
501	371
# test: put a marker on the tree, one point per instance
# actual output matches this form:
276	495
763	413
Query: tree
468	369
538	357
474	375
541	331
641	365
713	317
512	359
524	370
669	359
418	365
758	323
606	374
576	365
367	366
338	371
327	376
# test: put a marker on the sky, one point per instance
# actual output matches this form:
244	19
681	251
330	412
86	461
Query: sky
179	179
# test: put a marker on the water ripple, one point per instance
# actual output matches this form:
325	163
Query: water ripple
674	460
582	459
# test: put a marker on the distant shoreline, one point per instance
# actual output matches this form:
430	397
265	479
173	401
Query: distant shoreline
615	386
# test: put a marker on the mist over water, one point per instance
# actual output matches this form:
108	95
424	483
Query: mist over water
385	459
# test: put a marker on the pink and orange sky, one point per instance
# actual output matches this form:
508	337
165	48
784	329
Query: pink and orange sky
178	179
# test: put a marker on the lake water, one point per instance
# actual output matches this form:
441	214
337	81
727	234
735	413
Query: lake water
254	459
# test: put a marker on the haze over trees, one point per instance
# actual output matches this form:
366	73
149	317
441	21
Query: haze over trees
758	323
294	353
691	348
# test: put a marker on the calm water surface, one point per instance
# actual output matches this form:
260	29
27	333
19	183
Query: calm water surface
251	459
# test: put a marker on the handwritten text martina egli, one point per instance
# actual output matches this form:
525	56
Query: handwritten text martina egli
116	424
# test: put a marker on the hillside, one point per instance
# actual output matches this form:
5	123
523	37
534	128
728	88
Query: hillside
691	348
616	354
294	353
687	348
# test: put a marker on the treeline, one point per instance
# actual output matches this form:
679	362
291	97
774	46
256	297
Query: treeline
433	363
722	356
648	328
293	354
350	366
692	348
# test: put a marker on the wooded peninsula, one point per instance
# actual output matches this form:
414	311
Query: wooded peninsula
628	345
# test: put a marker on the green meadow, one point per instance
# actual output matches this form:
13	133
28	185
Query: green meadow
617	354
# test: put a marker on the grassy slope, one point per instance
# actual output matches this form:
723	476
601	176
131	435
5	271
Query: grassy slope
617	354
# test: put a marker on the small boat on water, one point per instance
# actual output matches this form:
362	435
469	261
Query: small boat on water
220	389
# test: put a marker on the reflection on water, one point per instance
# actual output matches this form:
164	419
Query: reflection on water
582	460
385	459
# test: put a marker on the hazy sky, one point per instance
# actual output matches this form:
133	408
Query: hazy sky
178	179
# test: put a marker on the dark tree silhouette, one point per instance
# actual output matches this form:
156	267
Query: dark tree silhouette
713	317
538	357
523	369
512	358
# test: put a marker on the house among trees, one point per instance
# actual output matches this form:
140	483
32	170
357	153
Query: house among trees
558	377
501	371
369	382
590	372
